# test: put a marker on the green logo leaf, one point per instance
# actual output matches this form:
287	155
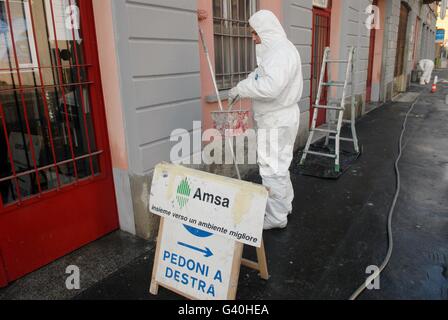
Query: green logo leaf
183	193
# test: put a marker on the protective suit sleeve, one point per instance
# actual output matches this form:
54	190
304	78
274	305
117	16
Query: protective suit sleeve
272	79
252	75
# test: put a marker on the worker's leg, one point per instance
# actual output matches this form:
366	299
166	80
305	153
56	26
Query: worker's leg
426	77
274	159
279	201
290	192
294	131
422	78
429	75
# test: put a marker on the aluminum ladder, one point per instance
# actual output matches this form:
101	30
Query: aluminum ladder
334	108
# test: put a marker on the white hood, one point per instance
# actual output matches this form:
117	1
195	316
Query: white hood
277	83
270	30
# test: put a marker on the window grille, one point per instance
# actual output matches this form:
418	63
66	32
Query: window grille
234	48
47	139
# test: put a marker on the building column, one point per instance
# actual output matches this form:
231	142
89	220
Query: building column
107	52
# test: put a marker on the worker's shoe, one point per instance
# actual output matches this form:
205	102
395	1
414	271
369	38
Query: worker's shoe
269	226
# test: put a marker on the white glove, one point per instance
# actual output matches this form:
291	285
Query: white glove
233	94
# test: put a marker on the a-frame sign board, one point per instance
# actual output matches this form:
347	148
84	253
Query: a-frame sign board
237	261
199	250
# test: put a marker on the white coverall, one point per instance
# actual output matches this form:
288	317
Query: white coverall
427	66
275	87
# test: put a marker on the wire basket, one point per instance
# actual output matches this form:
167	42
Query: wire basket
231	123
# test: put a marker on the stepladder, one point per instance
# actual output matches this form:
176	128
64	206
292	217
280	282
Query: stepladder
335	109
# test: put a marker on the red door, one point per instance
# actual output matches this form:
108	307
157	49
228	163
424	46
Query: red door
56	185
371	60
321	40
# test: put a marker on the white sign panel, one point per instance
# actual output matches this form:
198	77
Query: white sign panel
66	20
227	207
194	262
320	3
443	8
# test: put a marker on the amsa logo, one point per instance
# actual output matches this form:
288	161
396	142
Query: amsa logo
184	192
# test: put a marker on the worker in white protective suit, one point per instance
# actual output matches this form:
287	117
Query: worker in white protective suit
427	66
275	87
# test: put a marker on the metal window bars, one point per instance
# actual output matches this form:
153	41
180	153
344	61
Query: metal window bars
234	49
14	94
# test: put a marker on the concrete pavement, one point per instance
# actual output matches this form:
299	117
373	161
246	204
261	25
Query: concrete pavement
338	228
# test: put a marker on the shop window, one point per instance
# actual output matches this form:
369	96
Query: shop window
47	139
234	48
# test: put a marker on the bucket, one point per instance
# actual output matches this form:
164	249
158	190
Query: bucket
231	123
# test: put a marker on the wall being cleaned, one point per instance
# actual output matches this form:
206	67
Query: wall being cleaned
159	77
161	84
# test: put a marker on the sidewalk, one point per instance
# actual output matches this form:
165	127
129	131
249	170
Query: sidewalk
338	228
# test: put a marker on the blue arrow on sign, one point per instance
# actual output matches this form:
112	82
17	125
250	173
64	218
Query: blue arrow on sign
207	252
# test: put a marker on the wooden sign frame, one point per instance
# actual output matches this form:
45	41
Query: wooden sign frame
261	266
